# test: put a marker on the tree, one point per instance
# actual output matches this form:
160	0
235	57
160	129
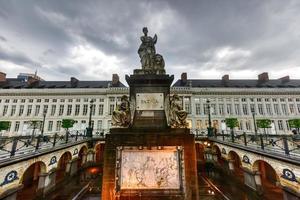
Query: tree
34	124
232	123
67	123
4	125
294	123
264	123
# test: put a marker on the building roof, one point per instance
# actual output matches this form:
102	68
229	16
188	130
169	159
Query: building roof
238	83
12	83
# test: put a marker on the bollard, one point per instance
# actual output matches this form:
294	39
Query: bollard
14	147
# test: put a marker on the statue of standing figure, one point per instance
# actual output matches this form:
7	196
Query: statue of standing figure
152	63
121	117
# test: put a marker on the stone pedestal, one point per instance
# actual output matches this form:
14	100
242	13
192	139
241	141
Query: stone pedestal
90	157
73	166
47	181
12	193
231	165
151	139
252	179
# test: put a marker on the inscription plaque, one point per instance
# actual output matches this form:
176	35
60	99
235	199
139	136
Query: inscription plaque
149	101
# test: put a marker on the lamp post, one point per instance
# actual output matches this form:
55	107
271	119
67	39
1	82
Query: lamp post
43	125
254	121
209	128
89	129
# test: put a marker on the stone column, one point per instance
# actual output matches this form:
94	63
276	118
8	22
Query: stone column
90	156
47	181
73	166
252	179
231	165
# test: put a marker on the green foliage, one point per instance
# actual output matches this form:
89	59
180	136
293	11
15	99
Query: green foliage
35	123
4	125
263	123
232	122
67	123
294	123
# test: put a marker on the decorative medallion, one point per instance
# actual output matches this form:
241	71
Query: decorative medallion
53	160
246	159
223	151
289	175
10	177
75	152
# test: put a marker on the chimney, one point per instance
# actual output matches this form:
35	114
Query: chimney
263	77
285	79
74	82
115	80
2	77
32	81
225	78
184	78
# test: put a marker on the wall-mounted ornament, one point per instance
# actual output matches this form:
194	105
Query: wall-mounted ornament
10	177
246	159
223	151
53	160
289	175
75	152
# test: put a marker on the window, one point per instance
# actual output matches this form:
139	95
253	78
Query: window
237	109
53	108
298	108
15	101
260	109
69	110
101	100
62	100
77	109
268	108
274	100
243	99
228	109
58	125
198	108
276	109
5	110
17	126
46	100
13	110
111	99
77	100
30	100
86	100
213	109
288	125
22	100
248	126
50	125
45	109
290	99
29	110
236	99
101	106
38	100
187	104
251	99
99	125
54	100
252	108
111	108
93	107
21	110
70	100
284	109
245	109
258	99
221	109
6	100
282	100
205	108
266	100
37	110
61	110
292	108
280	125
85	109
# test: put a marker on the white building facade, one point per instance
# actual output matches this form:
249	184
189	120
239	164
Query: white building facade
25	102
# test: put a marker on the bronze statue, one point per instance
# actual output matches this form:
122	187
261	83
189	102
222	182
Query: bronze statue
178	116
152	63
121	117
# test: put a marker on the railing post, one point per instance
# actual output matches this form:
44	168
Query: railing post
261	142
232	136
67	136
37	142
76	136
54	140
286	145
223	136
14	147
245	138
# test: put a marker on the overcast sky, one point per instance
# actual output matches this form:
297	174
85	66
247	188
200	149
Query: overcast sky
92	39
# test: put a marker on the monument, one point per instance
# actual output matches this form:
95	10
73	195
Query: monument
149	153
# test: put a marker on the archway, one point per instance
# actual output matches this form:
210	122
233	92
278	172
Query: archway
62	165
199	152
217	151
235	165
30	180
81	156
99	153
269	180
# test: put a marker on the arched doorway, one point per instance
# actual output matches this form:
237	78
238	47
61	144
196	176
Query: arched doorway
99	153
62	165
235	165
81	156
30	180
269	180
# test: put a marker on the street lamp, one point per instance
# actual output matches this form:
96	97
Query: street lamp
254	122
209	128
43	125
89	129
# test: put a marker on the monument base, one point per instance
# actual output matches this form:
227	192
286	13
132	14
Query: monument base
150	164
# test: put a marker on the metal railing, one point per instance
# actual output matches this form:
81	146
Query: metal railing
285	145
